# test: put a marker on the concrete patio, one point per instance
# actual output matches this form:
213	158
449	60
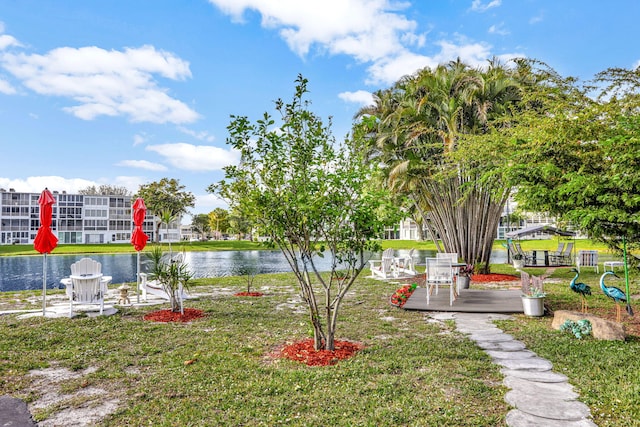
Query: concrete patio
469	301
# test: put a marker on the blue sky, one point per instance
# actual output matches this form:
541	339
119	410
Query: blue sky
125	92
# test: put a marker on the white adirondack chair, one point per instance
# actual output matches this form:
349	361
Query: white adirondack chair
384	268
406	265
87	284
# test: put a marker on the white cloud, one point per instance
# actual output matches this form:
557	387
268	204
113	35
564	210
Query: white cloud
205	203
142	164
202	135
391	69
478	6
364	29
361	97
112	83
6	88
196	157
140	138
371	31
636	65
538	18
7	41
499	30
35	184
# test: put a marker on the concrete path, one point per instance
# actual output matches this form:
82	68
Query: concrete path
540	396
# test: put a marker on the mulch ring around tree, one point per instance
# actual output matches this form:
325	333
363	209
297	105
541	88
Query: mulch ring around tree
173	316
248	294
303	351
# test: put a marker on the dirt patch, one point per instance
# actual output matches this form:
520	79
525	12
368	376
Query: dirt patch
84	407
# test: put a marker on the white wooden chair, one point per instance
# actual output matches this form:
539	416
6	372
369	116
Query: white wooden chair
440	273
406	264
453	256
87	284
384	268
587	259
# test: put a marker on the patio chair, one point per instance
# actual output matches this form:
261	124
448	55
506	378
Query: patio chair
587	259
558	251
86	284
384	268
406	264
439	273
565	258
453	256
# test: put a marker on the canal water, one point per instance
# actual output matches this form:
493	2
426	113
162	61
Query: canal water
25	272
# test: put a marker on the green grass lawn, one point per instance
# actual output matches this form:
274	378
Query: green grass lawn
214	245
411	372
239	245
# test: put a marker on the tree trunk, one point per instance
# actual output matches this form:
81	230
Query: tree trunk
465	214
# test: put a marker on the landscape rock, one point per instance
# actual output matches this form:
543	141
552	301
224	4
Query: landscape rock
14	413
601	329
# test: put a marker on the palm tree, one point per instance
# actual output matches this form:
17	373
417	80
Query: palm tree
420	124
166	217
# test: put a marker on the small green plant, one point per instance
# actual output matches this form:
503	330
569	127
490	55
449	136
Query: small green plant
170	272
534	292
581	328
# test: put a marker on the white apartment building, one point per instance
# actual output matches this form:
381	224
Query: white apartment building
407	229
77	218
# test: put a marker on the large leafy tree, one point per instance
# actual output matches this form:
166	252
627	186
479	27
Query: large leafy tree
436	137
166	196
579	153
200	224
297	186
219	221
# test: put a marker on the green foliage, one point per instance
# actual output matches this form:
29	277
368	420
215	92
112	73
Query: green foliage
579	329
219	221
579	154
169	271
105	190
236	381
307	194
166	195
437	137
200	224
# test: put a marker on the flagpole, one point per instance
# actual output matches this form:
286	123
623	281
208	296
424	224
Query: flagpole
138	278
44	285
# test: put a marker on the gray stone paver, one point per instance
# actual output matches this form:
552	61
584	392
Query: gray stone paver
542	398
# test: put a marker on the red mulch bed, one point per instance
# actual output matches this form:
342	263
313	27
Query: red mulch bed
303	351
248	294
486	278
171	316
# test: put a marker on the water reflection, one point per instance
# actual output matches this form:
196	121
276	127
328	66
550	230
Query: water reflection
25	272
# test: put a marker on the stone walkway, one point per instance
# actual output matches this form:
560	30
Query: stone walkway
540	396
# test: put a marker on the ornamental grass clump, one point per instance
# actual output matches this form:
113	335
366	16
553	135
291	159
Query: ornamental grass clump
171	272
